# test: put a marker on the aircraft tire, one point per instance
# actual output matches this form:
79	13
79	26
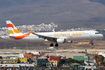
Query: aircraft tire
51	44
92	43
56	45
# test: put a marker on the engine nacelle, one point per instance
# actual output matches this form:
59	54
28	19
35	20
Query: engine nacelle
61	40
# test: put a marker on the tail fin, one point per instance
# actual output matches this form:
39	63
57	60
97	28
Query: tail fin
12	29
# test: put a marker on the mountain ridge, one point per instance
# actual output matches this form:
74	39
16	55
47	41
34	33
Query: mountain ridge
71	13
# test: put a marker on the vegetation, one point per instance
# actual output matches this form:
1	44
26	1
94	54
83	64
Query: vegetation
1	62
99	60
62	61
103	63
95	57
70	60
102	59
19	48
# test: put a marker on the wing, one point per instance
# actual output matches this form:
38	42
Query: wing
44	37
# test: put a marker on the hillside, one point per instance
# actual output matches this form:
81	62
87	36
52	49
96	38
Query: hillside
65	13
98	1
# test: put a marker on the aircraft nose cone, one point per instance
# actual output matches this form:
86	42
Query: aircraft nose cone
101	36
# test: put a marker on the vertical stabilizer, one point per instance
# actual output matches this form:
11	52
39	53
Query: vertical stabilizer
12	29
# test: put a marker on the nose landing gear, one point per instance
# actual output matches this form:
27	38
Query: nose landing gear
91	43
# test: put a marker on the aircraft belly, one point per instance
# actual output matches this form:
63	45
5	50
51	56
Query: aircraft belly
36	39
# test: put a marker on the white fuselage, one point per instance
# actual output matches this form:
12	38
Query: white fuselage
69	36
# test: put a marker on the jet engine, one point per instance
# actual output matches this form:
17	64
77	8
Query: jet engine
61	40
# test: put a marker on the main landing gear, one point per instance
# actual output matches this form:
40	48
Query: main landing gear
91	43
51	44
56	45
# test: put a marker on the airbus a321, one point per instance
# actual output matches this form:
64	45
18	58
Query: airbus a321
53	37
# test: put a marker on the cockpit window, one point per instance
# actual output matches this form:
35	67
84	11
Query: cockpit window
96	33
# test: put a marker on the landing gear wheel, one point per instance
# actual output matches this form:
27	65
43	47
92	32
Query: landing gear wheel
92	43
71	41
51	44
56	45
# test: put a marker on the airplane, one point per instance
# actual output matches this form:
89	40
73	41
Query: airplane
53	37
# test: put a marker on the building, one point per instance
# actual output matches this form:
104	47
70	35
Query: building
30	55
22	60
11	61
88	67
83	43
75	65
1	61
101	53
85	58
56	58
53	61
96	51
41	62
29	61
90	62
34	58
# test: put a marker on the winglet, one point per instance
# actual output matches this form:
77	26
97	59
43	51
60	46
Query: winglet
31	31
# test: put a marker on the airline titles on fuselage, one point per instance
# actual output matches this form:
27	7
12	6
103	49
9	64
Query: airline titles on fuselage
68	34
